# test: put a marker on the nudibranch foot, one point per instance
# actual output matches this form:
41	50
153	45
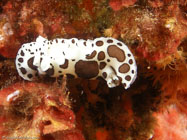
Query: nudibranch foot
102	57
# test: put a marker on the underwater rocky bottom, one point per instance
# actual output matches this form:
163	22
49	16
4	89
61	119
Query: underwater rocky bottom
76	109
153	108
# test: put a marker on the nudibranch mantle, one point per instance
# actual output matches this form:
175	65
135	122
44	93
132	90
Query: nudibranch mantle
102	57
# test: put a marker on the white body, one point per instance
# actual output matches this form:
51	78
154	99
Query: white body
80	58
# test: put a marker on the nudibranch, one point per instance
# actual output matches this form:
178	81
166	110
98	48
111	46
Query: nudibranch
102	57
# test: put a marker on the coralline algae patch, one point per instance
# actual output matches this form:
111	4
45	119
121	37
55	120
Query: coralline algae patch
102	57
172	123
117	5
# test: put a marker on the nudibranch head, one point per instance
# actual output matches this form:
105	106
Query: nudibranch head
102	57
28	59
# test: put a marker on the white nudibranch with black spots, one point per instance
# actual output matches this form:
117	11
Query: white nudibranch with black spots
102	57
